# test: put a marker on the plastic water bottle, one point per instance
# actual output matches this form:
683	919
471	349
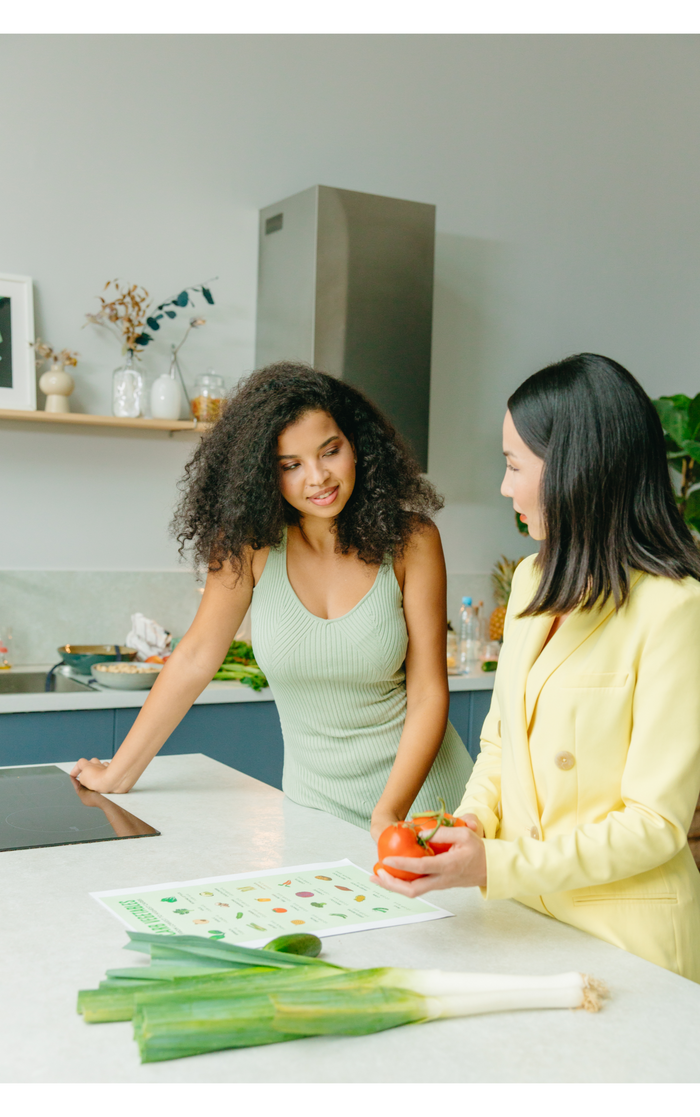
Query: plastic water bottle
468	637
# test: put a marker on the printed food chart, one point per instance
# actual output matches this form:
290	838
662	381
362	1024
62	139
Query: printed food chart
332	898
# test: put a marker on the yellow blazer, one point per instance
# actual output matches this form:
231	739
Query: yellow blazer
589	768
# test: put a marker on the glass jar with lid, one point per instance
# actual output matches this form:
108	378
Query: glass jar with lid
209	393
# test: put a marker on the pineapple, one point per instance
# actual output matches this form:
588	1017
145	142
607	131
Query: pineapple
501	581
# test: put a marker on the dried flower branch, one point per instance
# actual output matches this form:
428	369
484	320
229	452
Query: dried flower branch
129	312
45	352
195	323
125	313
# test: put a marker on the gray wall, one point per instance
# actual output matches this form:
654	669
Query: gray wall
566	174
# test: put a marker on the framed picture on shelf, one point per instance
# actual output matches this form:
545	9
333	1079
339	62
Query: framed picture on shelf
17	363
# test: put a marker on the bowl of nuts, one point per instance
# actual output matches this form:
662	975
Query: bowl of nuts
126	676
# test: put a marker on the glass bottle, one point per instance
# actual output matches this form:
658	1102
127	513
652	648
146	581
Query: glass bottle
209	392
127	389
468	638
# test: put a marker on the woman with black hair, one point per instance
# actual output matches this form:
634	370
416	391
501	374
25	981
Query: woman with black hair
589	771
304	501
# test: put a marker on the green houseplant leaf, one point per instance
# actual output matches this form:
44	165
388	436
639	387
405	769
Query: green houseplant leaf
692	510
694	417
673	413
692	449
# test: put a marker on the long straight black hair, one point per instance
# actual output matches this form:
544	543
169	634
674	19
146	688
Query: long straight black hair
606	497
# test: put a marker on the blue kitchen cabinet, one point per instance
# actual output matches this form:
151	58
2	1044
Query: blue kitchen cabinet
468	708
244	735
59	736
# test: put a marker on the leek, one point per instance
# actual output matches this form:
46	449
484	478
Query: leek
198	996
346	1003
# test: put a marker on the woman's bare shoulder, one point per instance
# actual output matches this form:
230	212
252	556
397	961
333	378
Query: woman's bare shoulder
423	549
256	561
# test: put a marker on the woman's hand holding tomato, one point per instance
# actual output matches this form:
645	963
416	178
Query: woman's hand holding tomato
463	866
401	840
423	824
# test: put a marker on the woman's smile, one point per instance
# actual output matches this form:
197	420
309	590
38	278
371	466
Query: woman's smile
327	496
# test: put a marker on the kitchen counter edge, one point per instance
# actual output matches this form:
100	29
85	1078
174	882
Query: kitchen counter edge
216	692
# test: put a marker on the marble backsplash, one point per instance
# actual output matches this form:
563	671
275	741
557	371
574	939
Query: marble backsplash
47	608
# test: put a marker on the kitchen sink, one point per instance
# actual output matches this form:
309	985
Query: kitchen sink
33	682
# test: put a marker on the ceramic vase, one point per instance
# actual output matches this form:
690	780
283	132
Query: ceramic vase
166	397
57	385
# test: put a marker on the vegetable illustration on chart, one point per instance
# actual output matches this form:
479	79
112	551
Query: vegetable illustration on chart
319	899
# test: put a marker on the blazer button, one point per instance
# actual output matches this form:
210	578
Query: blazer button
564	760
534	833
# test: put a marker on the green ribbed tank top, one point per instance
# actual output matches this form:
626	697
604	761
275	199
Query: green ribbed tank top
340	690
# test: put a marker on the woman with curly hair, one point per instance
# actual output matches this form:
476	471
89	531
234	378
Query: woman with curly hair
304	501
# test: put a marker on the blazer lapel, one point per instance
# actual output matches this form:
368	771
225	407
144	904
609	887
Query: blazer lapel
521	651
575	629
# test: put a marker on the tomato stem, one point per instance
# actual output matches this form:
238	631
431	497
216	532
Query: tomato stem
440	817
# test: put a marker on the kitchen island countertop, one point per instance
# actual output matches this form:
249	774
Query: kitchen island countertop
216	692
214	820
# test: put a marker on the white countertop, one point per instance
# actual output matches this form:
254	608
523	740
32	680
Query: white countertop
215	692
57	940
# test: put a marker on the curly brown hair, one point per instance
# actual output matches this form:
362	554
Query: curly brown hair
231	498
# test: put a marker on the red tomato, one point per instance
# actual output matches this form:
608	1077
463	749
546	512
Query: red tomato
401	840
427	822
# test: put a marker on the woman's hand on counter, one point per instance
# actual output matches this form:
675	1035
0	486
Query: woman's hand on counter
463	866
95	775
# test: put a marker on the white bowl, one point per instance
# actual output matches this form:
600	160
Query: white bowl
124	680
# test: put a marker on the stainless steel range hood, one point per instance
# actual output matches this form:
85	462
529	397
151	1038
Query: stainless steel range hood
345	283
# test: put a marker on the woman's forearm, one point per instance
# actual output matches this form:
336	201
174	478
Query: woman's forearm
181	681
423	733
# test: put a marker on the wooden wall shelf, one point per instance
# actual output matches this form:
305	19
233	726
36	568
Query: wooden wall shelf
103	421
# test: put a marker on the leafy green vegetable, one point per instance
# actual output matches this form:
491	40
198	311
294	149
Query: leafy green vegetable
240	665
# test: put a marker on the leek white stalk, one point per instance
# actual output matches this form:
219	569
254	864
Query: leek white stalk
463	994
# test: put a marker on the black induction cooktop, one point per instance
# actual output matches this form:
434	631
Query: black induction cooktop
43	806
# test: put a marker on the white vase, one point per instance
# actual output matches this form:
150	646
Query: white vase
127	390
57	386
166	397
